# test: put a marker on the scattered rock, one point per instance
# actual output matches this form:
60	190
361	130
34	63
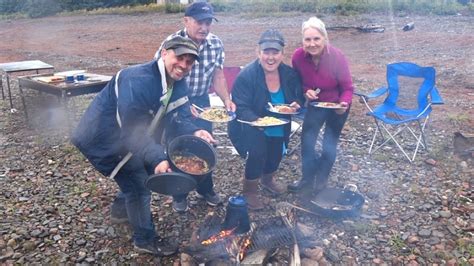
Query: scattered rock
29	246
445	214
424	232
315	253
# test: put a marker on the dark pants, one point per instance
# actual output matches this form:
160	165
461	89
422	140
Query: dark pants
207	184
264	153
320	165
137	199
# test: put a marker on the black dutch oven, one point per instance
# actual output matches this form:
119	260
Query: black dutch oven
191	145
337	203
180	182
171	183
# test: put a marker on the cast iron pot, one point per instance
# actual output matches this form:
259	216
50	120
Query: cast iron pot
172	184
337	203
192	145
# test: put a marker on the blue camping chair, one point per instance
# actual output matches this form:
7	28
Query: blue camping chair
411	92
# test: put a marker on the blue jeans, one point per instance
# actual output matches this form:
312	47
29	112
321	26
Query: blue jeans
137	200
314	165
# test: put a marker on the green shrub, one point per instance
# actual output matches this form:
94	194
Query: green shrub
173	8
41	8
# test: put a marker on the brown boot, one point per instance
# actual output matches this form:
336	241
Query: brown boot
268	182
250	192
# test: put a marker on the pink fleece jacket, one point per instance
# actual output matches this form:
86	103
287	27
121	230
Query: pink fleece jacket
332	75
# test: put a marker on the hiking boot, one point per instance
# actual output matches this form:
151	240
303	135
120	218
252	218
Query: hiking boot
157	247
268	182
250	192
180	206
118	214
212	198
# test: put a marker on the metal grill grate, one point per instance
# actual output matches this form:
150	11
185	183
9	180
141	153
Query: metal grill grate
271	233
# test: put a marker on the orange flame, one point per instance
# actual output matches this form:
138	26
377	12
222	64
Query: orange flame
221	235
243	248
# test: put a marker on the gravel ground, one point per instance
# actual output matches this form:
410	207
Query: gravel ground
55	206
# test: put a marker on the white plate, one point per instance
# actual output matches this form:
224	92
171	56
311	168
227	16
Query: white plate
230	115
327	105
275	109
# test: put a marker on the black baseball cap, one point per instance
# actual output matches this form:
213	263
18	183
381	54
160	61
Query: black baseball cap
182	45
200	11
271	39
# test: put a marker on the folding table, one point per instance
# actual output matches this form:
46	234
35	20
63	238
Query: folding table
63	90
20	66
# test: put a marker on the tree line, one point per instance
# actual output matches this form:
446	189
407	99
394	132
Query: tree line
39	8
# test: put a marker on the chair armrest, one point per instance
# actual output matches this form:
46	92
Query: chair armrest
436	97
377	93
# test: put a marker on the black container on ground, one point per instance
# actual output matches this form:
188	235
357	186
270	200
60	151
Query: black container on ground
237	215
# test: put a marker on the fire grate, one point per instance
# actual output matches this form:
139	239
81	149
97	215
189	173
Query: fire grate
270	233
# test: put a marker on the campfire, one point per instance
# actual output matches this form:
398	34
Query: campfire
213	240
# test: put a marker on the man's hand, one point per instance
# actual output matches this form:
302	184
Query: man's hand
194	111
163	167
342	110
230	105
203	134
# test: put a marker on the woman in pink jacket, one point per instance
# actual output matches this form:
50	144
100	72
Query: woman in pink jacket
326	77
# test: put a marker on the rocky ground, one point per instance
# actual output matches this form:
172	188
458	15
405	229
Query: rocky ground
55	207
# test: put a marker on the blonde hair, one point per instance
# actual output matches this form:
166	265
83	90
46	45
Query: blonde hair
317	24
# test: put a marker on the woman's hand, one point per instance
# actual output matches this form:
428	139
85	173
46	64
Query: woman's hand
312	95
163	167
230	105
342	110
203	134
295	105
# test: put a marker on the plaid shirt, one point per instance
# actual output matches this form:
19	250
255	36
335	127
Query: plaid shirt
211	54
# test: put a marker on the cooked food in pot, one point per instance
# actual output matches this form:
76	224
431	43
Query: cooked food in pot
191	164
215	115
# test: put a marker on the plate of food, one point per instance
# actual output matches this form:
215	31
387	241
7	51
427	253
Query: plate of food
267	121
327	105
284	109
216	115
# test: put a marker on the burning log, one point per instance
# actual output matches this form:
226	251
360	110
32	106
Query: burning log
217	237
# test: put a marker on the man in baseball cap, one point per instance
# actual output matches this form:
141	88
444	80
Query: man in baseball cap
207	72
182	45
200	11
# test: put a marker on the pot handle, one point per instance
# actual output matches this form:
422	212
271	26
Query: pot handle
351	187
